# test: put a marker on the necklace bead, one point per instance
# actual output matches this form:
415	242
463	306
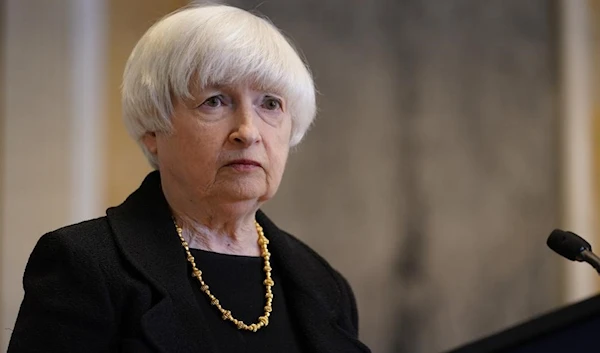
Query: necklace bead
263	321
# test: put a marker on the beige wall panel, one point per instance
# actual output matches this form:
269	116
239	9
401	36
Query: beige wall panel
35	141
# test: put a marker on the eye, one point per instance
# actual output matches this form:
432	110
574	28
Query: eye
213	102
271	103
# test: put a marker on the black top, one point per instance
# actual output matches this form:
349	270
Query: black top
237	281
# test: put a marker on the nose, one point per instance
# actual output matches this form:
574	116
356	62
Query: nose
245	132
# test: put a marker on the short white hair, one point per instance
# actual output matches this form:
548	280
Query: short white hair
211	44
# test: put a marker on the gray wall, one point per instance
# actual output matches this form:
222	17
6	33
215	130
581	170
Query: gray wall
430	177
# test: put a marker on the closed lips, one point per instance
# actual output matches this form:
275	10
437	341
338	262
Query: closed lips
244	162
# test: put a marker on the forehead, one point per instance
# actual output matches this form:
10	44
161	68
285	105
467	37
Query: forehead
230	85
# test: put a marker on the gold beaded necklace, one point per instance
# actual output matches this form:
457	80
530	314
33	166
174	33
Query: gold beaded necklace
268	282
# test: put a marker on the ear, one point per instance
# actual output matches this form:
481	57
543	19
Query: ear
149	140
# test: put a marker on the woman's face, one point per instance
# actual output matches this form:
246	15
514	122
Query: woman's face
229	143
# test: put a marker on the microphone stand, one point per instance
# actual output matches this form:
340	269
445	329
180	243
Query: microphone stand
592	259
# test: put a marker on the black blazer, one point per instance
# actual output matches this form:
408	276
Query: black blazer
120	283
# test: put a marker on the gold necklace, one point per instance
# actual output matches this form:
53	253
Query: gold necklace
268	282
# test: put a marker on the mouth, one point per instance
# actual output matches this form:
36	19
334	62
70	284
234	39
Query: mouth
244	164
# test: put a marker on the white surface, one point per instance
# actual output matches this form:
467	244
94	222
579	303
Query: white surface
88	115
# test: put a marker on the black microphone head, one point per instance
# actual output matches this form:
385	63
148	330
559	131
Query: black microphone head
568	244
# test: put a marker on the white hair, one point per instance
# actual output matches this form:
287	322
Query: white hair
212	44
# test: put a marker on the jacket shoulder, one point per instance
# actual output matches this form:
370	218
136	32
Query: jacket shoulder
67	303
299	245
85	228
319	263
93	232
89	241
346	301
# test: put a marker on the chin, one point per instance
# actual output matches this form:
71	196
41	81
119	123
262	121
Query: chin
247	193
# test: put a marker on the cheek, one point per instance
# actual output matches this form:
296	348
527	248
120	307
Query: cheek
190	148
279	154
165	148
279	137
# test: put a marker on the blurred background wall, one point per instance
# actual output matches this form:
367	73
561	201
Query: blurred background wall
38	150
452	137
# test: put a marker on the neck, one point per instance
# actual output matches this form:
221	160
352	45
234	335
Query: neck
222	227
238	237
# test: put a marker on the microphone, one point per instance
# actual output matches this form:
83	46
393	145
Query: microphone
573	247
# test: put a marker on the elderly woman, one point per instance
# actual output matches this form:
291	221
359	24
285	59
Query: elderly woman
215	96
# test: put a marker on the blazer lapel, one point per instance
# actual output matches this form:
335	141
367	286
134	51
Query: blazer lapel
146	236
145	233
313	295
